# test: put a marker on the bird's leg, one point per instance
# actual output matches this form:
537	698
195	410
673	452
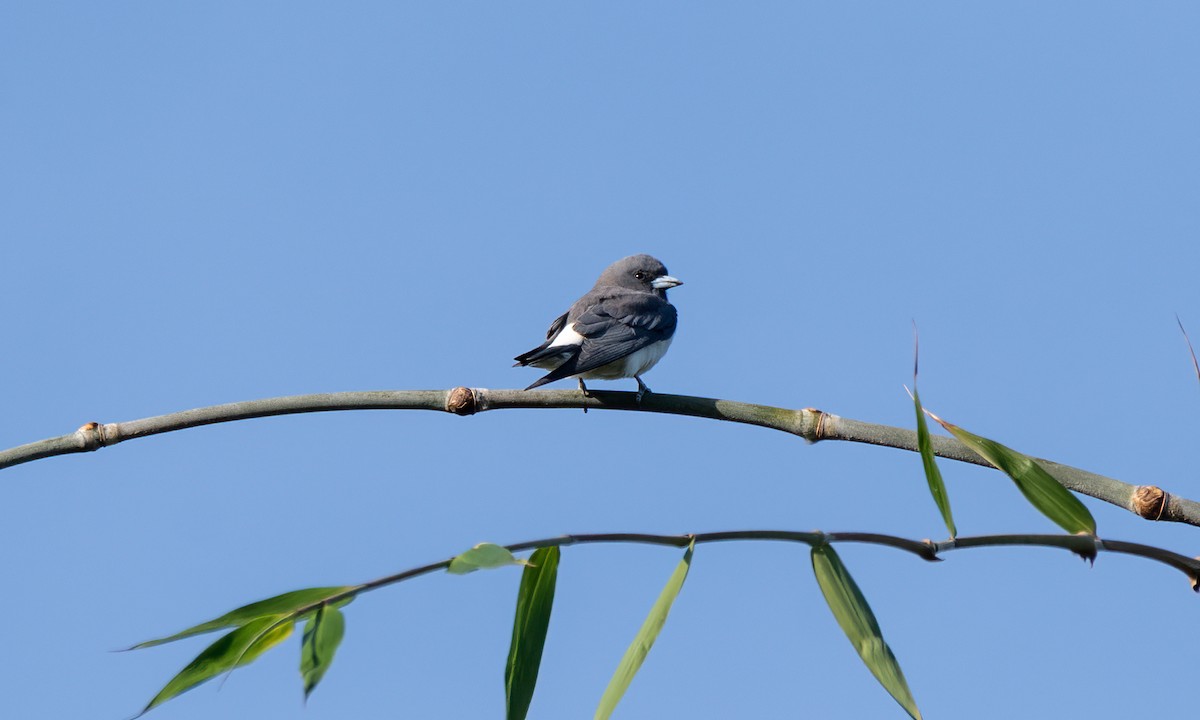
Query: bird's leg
642	389
583	389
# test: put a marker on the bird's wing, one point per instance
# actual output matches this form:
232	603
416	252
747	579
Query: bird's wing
556	326
541	352
614	326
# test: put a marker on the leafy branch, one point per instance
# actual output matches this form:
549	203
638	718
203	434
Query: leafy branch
261	625
1147	501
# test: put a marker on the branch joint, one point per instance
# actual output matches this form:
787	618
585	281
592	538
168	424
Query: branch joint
462	401
1149	502
94	435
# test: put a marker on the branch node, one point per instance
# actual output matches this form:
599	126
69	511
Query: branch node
462	401
818	428
93	436
1149	502
1092	550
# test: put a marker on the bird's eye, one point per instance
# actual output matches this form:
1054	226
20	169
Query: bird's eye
640	275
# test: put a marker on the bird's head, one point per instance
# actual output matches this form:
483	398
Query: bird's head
639	272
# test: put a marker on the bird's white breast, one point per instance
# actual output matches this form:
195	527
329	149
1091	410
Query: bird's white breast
633	364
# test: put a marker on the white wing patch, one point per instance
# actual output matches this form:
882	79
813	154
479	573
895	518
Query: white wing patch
567	336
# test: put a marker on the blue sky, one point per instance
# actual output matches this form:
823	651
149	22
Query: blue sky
205	203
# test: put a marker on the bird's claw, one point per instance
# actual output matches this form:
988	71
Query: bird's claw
642	390
583	389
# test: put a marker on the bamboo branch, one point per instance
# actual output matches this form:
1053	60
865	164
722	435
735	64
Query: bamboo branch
1146	501
1083	545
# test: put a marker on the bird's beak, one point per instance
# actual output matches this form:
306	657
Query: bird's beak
665	281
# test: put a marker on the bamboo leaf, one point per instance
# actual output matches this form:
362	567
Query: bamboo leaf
644	640
277	605
937	487
483	556
535	599
322	635
854	616
234	649
1038	486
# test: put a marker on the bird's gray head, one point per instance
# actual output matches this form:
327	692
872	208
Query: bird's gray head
639	272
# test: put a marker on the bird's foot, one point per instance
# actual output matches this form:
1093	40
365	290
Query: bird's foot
642	389
583	389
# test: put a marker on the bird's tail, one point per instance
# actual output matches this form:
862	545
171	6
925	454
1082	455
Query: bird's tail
567	369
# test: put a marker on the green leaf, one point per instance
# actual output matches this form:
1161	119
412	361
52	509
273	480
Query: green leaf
644	640
854	615
278	605
937	488
1038	486
535	600
483	556
234	649
322	635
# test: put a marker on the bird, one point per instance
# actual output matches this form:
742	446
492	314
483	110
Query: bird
620	328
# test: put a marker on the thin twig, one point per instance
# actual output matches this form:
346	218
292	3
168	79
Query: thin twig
1083	545
1191	350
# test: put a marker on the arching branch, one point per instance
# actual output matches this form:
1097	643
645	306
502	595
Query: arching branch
1147	501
